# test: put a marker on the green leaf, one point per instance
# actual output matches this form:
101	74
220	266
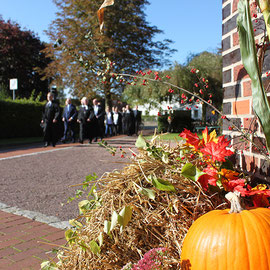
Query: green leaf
95	248
125	216
70	236
107	226
162	184
91	191
95	194
90	177
84	206
114	220
165	157
83	246
78	193
70	199
249	59
140	143
48	265
100	239
75	223
192	172
151	194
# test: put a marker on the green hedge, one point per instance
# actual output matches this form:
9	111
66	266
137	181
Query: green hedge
20	118
180	120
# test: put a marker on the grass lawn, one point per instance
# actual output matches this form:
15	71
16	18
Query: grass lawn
15	141
167	137
170	137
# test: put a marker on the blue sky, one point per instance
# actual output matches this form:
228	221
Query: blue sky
193	25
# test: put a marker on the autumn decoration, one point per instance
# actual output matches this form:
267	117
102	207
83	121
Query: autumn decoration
153	201
234	239
171	196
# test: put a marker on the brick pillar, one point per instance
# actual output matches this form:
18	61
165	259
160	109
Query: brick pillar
237	104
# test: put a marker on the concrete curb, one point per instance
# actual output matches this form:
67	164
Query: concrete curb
50	220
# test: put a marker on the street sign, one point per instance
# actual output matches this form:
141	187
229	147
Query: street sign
13	85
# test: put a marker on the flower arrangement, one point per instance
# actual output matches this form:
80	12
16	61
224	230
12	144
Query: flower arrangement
209	155
152	260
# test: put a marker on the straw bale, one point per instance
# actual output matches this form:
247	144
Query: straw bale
162	222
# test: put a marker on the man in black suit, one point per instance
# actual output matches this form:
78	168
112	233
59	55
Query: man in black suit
137	119
69	118
50	116
100	115
86	118
129	120
117	121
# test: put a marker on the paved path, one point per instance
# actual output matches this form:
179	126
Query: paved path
23	242
34	182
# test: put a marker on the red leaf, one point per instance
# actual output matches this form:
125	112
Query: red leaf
260	200
217	151
192	138
210	177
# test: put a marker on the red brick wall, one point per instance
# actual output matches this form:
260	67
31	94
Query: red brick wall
237	103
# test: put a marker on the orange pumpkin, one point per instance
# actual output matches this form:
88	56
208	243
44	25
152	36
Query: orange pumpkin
220	240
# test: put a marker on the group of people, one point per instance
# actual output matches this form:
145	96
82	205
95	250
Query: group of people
94	122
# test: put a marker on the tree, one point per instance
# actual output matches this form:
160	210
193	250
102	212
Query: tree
127	41
21	57
210	76
210	67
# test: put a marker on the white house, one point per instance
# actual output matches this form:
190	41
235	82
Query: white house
196	109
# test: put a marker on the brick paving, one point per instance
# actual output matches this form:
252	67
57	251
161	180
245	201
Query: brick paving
25	243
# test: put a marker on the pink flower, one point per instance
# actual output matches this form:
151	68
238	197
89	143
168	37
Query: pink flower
151	260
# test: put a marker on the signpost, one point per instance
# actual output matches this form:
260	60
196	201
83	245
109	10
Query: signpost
13	85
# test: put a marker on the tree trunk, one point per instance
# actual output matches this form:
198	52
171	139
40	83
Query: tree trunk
108	95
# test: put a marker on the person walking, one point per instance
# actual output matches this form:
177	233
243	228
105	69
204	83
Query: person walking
99	114
69	118
85	119
108	122
137	119
124	122
50	116
129	120
117	121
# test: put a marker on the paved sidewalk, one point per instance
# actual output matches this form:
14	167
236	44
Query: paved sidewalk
23	242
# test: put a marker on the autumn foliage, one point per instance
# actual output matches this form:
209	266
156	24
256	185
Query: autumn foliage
211	152
21	58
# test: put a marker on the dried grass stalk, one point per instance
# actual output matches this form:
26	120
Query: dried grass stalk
162	222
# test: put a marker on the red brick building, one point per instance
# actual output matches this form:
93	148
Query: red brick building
238	95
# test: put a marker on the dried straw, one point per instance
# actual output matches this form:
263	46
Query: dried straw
162	222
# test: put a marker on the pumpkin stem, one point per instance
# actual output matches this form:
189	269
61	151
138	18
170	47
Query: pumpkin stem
234	198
